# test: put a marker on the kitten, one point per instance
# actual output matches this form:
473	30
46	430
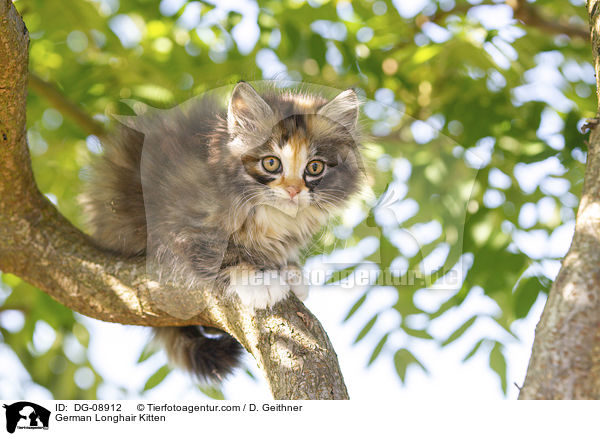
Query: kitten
226	196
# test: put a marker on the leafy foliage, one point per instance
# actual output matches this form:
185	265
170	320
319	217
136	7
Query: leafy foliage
474	153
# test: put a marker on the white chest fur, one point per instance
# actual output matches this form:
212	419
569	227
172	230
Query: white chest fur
278	233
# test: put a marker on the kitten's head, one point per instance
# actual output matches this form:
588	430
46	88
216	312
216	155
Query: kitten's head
296	150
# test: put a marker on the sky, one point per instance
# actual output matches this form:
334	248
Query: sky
114	348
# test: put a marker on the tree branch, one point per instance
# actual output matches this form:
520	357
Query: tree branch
565	361
440	15
42	247
57	99
530	16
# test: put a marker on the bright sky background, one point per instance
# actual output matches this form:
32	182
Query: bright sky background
114	349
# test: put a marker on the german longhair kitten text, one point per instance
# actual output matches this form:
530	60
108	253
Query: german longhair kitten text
227	197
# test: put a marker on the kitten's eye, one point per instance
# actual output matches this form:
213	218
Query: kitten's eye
271	164
315	167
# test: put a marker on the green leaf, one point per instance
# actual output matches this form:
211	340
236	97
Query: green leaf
526	294
366	329
356	306
250	374
387	252
212	392
459	331
378	348
506	328
402	359
317	49
148	351
498	364
82	334
340	275
422	334
156	378
453	301
474	349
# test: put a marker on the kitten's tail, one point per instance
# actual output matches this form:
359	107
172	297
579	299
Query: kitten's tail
210	357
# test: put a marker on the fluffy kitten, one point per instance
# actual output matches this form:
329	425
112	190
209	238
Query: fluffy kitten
227	196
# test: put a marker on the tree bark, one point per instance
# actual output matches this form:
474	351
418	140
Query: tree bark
39	245
565	362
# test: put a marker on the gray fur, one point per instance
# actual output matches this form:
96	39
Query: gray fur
182	187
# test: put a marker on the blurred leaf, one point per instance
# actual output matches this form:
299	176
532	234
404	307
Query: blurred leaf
156	378
377	349
460	331
366	329
422	334
474	350
498	364
148	351
340	275
526	294
250	374
402	359
356	306
212	392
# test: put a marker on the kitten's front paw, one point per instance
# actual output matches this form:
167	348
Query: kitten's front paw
294	277
258	289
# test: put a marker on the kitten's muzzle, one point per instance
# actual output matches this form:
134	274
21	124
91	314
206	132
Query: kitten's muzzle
293	190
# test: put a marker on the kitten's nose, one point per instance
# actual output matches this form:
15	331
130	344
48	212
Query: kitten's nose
293	191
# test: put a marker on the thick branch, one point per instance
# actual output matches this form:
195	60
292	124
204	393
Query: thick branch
57	99
565	362
40	246
16	175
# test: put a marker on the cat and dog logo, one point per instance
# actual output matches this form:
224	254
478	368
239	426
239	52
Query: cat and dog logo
26	415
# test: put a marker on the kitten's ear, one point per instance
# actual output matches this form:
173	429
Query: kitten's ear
247	109
343	109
